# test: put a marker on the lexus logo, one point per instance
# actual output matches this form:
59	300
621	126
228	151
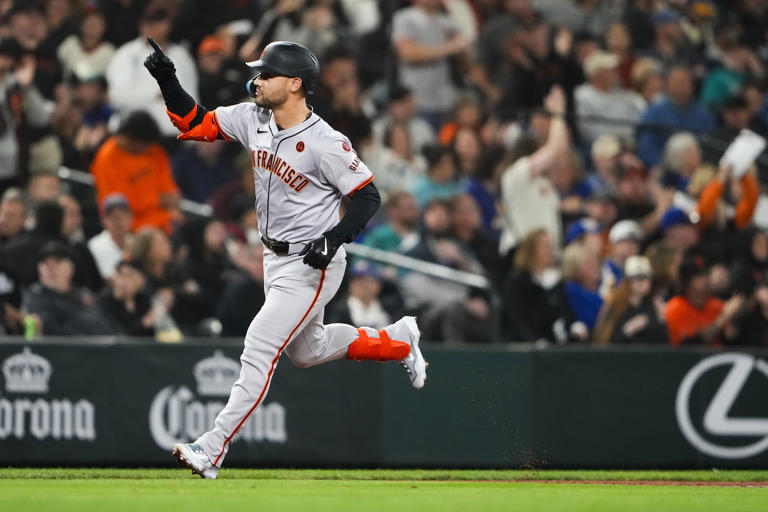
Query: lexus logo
716	421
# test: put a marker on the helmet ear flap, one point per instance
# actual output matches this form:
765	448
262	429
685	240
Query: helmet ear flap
250	88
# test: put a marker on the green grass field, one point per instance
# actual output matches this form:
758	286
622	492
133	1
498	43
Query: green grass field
167	490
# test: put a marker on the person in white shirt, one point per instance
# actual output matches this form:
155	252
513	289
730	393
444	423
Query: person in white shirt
529	200
86	55
131	88
108	246
602	106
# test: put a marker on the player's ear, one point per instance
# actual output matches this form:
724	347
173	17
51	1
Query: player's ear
295	85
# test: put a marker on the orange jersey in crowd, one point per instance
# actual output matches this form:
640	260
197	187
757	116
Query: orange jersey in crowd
684	320
141	178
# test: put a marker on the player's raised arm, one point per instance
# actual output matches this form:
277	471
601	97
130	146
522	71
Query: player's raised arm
194	121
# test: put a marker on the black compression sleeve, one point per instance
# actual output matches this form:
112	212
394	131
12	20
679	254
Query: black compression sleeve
363	206
178	101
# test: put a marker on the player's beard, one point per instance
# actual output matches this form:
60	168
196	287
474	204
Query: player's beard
273	102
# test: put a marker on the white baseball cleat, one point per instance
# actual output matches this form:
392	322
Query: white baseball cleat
414	363
194	457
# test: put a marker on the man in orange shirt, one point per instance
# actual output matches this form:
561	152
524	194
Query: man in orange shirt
695	316
132	163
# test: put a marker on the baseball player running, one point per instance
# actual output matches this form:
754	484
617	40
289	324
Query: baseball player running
302	168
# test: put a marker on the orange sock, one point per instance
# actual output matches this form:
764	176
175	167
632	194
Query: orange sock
365	348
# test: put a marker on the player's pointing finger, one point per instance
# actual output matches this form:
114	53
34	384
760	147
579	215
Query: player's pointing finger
155	46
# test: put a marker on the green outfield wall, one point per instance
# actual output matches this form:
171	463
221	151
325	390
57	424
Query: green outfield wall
123	402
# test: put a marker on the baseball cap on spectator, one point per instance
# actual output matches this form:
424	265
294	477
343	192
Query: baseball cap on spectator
735	102
579	228
58	250
364	268
113	201
666	16
399	92
637	266
625	230
130	263
210	44
598	61
606	146
675	216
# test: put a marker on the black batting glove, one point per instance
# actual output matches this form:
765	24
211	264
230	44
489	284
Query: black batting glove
319	253
158	64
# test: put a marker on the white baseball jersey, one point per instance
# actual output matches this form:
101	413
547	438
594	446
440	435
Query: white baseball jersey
301	173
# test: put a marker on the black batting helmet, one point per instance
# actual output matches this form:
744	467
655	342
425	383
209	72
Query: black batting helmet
287	59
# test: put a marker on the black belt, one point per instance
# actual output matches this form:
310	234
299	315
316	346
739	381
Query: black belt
276	246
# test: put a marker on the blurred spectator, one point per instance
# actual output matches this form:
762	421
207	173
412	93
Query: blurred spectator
534	64
122	19
338	96
738	62
424	38
87	273
467	116
27	26
624	240
743	190
464	321
22	104
244	294
695	316
751	263
682	157
363	305
63	308
230	201
399	233
132	88
587	232
132	163
483	186
680	232
207	262
646	80
20	253
670	45
581	272
752	325
126	301
602	207
60	22
605	153
441	180
13	215
528	199
566	177
534	304
219	83
108	247
467	151
315	25
618	42
602	106
201	169
95	113
86	55
151	249
630	314
43	187
665	262
436	246
397	164
676	112
468	229
593	16
638	16
401	110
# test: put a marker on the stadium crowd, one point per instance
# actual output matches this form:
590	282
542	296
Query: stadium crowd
568	150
